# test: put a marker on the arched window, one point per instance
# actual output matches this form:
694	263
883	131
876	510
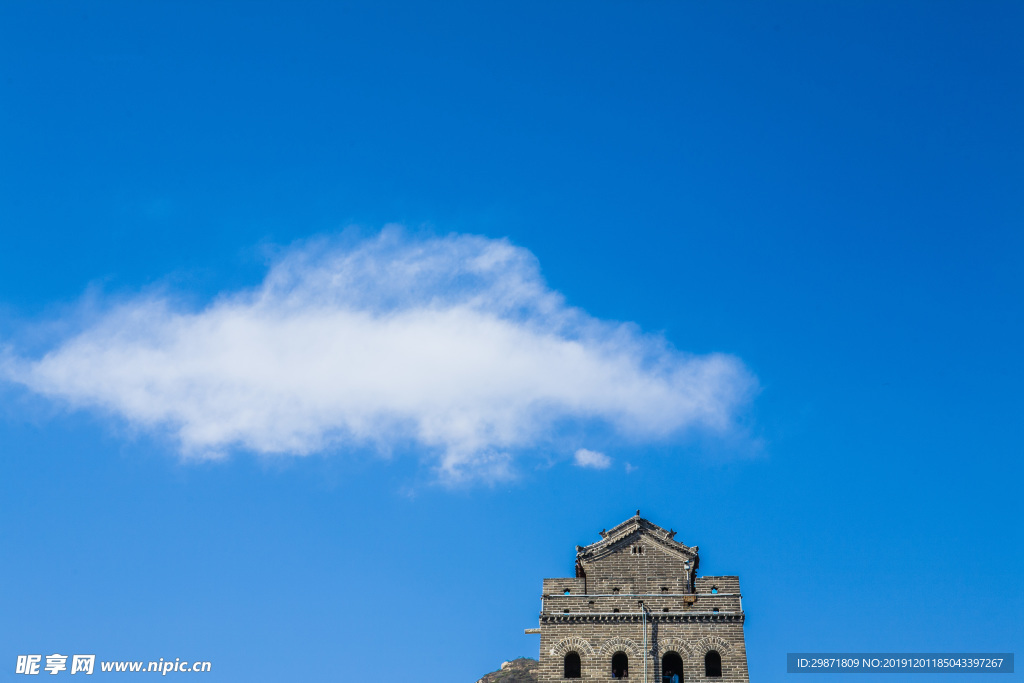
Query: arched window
572	666
620	665
672	665
713	664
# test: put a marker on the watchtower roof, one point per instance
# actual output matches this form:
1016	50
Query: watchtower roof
627	532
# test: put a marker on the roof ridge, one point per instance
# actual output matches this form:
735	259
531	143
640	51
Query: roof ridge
632	525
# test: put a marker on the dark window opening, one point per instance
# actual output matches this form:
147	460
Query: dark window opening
664	589
615	590
565	592
572	666
615	609
664	609
565	611
714	590
672	668
714	611
713	665
620	665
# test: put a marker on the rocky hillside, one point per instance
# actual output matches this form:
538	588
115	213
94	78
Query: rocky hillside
522	670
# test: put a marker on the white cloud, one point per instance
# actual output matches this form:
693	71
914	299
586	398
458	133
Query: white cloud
453	344
588	458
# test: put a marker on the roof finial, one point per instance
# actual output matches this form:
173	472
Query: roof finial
637	513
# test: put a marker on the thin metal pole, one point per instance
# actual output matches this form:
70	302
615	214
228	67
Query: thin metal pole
643	610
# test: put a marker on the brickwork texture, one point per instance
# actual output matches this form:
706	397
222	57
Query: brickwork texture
639	585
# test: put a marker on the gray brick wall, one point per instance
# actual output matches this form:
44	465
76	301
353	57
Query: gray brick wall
599	613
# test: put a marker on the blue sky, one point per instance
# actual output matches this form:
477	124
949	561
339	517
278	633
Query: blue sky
308	309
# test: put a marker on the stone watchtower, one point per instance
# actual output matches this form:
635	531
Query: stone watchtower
638	611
